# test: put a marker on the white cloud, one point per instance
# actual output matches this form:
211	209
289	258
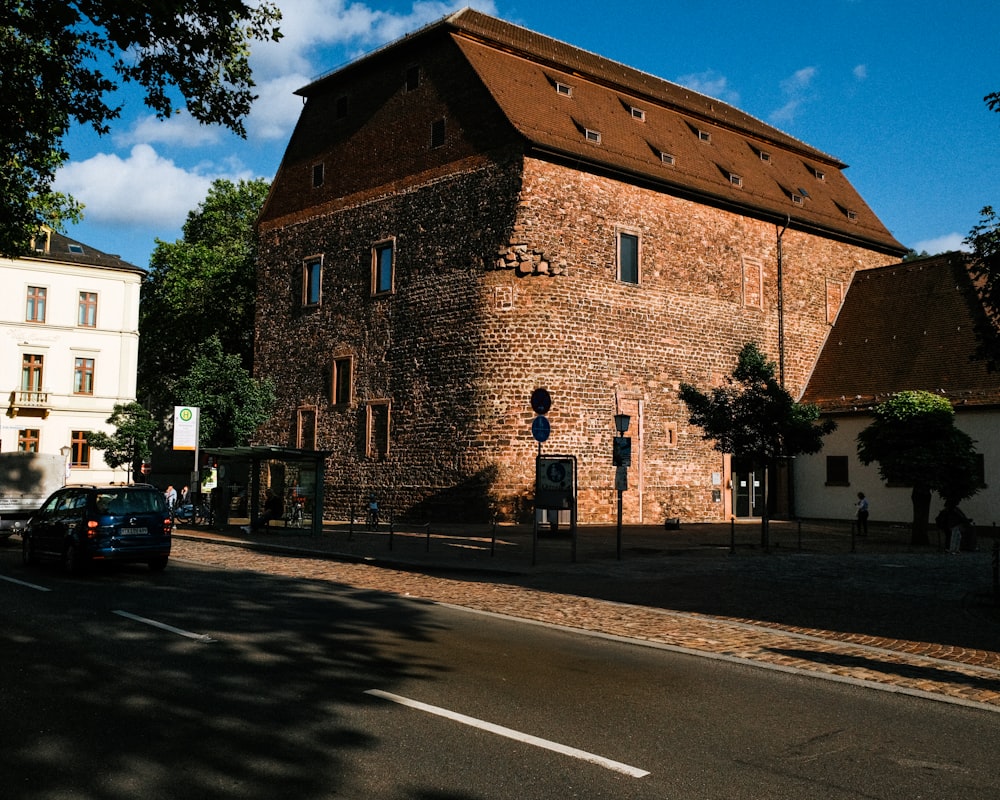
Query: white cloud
354	27
861	72
276	109
181	129
142	189
796	90
942	244
712	84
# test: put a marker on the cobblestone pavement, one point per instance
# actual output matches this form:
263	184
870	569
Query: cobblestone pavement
873	611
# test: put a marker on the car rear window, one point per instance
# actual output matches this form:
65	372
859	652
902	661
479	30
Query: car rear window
116	503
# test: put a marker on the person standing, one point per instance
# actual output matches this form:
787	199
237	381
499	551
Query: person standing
862	506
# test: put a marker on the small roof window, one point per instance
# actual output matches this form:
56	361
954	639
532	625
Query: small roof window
667	158
735	179
637	113
75	248
564	89
592	136
852	215
765	156
704	136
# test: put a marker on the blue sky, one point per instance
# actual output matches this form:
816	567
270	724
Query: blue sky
893	89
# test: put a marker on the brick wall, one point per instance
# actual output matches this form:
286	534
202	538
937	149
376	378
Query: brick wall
506	281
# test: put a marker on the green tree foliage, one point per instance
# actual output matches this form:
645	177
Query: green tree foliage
63	61
914	440
198	296
984	242
132	440
232	403
753	417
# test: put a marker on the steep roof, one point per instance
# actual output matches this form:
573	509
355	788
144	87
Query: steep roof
904	327
571	104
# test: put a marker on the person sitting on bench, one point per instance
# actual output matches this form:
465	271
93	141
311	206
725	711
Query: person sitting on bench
273	509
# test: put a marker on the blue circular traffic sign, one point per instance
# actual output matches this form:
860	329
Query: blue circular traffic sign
540	429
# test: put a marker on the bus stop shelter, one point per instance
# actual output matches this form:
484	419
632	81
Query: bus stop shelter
255	455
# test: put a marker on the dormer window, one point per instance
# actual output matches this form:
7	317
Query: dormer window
667	158
638	113
704	136
437	133
317	175
564	89
852	215
797	199
820	175
735	179
765	157
592	136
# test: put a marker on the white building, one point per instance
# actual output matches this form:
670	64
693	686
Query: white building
69	339
908	326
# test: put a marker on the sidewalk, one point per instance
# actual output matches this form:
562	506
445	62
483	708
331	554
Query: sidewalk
873	610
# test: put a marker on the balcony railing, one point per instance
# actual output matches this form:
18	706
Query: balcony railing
21	400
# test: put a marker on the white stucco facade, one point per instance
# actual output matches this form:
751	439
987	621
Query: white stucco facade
816	499
64	366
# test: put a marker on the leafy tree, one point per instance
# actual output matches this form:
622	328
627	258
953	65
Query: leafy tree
984	242
232	403
753	417
915	442
63	60
131	441
199	287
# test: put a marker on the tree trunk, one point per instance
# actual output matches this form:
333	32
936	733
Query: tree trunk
921	497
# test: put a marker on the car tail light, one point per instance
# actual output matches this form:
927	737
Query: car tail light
92	526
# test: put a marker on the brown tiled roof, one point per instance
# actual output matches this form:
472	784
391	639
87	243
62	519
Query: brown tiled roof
904	327
521	68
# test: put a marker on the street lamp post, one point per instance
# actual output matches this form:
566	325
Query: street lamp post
622	459
65	451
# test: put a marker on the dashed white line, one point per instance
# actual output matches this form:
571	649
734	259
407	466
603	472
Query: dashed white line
24	583
510	733
198	637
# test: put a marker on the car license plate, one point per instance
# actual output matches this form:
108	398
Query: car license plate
133	531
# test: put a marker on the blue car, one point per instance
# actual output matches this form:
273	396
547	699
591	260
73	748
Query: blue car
84	525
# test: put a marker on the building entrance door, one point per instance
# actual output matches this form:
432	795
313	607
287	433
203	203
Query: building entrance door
748	491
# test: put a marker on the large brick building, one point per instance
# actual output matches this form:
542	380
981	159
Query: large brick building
476	211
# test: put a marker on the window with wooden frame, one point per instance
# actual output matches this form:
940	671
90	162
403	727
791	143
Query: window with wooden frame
628	246
79	449
32	372
305	428
28	440
83	376
87	314
341	380
312	281
34	310
383	267
377	429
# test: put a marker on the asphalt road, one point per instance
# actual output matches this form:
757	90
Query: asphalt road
207	682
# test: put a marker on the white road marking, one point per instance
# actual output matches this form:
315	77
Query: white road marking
199	637
583	755
23	583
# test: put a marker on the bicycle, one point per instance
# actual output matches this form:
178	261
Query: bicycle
295	518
